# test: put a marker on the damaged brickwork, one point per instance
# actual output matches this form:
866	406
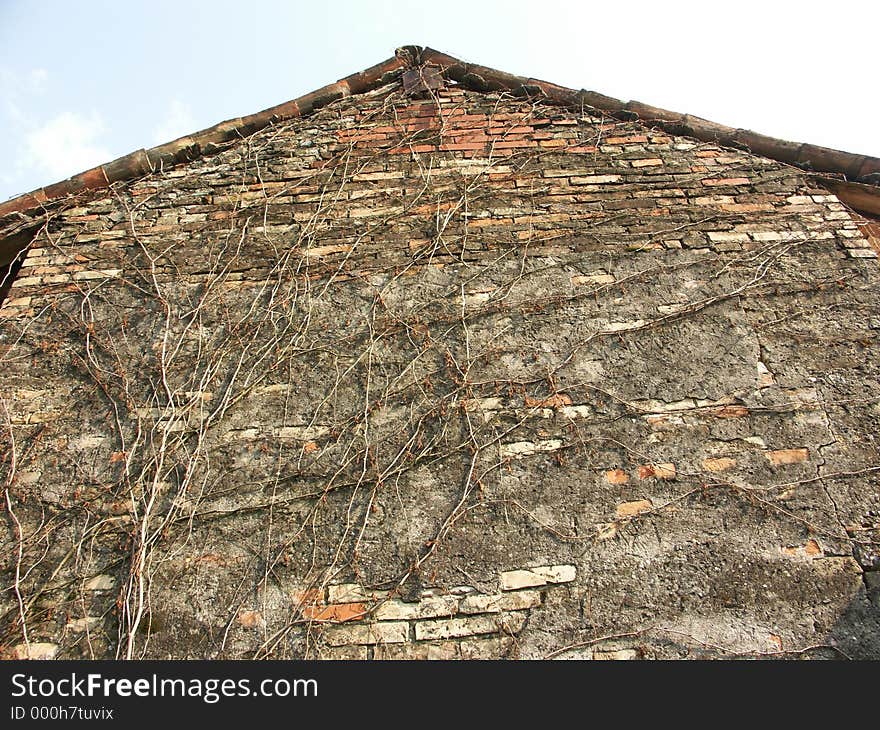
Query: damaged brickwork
459	376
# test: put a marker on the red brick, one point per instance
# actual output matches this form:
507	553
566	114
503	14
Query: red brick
514	145
616	476
631	509
781	457
412	148
336	612
634	139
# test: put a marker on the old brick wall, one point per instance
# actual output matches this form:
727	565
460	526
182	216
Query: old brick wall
462	376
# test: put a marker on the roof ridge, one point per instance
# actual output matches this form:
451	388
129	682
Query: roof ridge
854	168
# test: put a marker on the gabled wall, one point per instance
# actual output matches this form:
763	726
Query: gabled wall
457	376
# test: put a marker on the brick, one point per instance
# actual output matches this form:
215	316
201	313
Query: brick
719	463
747	208
38	650
426	608
580	411
632	139
556	400
713	200
527	448
250	619
378	176
460	146
26	281
710	182
352	593
599	277
652	162
422	651
616	476
345	653
522	144
781	457
657	471
728	236
515	579
772	235
631	509
385	632
810	549
493	648
594	179
516	601
335	612
663	423
509	623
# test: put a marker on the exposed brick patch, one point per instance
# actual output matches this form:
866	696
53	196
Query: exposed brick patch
250	619
335	613
631	509
782	457
810	549
651	162
657	471
39	650
631	139
386	632
719	463
513	601
508	623
557	400
616	476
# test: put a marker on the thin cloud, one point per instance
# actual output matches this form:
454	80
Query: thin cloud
41	153
179	121
65	145
37	78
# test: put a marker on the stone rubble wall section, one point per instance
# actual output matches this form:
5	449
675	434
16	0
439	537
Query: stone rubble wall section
355	622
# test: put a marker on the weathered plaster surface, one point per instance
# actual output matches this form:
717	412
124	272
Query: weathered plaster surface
454	377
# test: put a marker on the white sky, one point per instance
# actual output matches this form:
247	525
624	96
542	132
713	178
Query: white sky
84	82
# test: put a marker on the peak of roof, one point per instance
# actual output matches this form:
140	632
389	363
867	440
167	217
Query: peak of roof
855	177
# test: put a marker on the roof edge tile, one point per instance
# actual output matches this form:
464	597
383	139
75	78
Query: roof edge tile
853	167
